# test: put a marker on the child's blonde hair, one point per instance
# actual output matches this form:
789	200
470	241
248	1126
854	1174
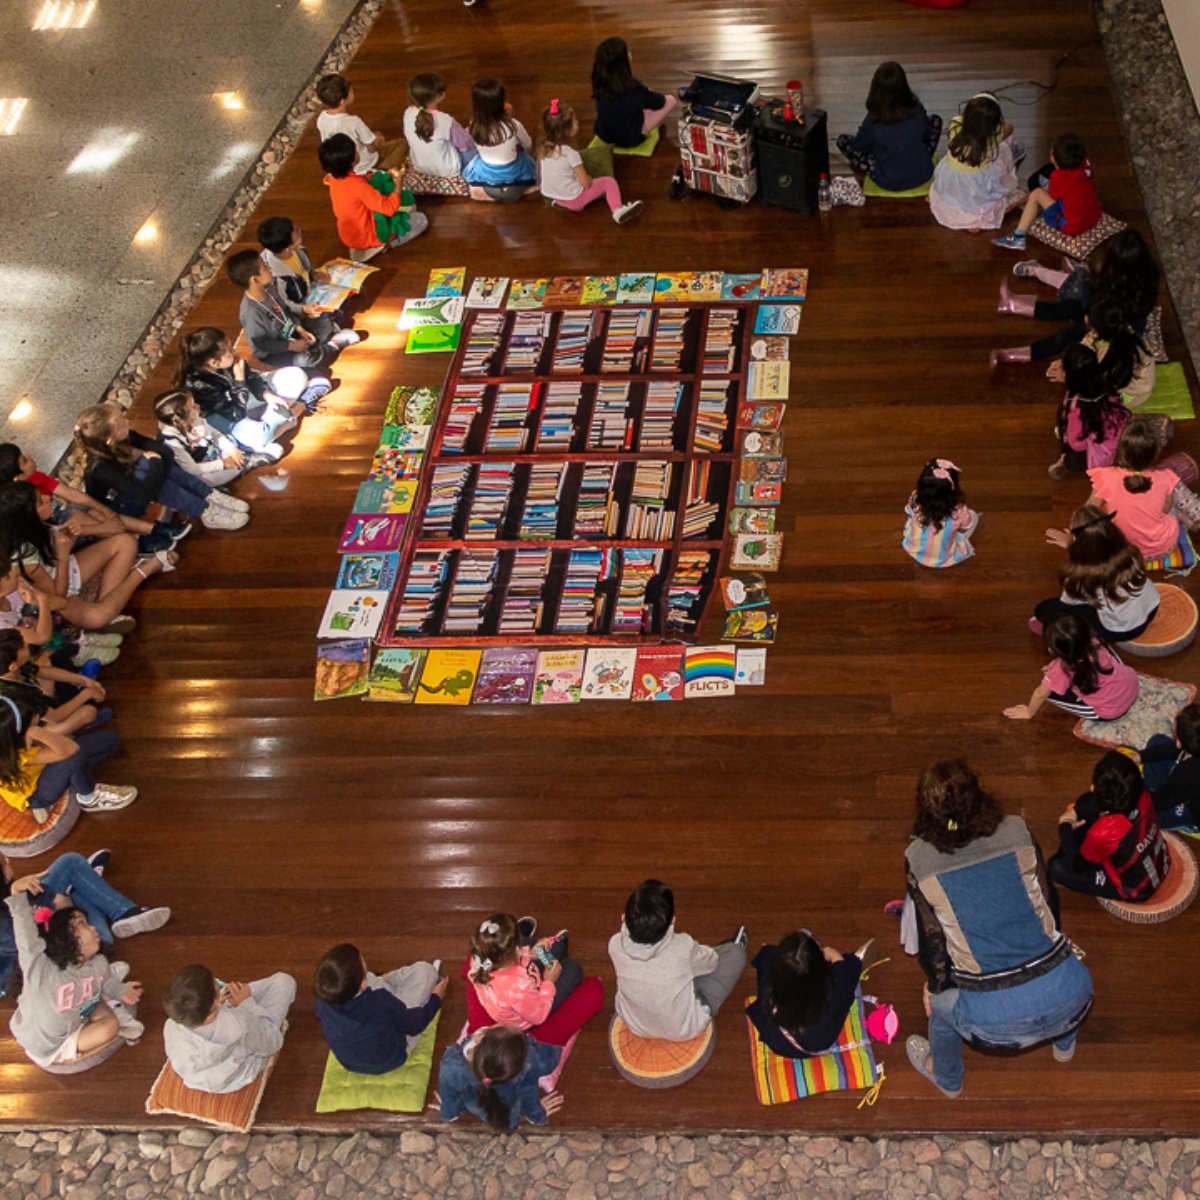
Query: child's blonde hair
492	943
94	434
557	122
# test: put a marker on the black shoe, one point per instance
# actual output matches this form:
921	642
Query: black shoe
99	860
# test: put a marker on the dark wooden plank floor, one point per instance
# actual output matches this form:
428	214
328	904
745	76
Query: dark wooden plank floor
276	827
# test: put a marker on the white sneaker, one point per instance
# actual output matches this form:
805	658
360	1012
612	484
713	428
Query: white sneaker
131	1029
362	256
217	516
344	338
104	654
230	502
108	798
627	212
145	920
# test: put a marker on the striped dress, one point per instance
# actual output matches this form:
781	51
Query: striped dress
940	547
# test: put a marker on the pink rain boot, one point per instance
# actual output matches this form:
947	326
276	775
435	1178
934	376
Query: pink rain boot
1018	354
1010	302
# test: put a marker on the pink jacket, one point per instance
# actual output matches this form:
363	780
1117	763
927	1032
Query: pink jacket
517	995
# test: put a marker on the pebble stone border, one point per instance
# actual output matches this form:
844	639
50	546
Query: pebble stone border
456	1165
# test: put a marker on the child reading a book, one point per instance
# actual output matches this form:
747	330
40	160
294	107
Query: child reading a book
494	1075
220	1036
199	448
501	169
1171	770
938	530
973	184
1084	678
375	151
626	109
669	986
529	983
372	213
373	1022
562	176
437	144
1065	196
73	1000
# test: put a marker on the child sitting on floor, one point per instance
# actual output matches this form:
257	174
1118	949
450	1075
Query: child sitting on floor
668	985
373	1022
938	530
32	687
1090	417
219	1037
199	449
501	169
437	144
975	182
626	109
284	254
1065	196
336	94
1109	842
531	984
562	176
1171	770
372	214
1085	677
897	139
73	1000
494	1075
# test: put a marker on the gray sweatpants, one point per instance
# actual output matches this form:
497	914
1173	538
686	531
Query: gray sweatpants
713	990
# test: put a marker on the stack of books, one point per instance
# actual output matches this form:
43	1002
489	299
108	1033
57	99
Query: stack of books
522	611
482	344
648	518
700	512
658	416
465	406
578	328
445	491
668	339
493	486
540	518
510	416
525	342
471	592
421	591
612	427
625	328
594	512
684	594
558	417
712	415
720	346
575	607
638	568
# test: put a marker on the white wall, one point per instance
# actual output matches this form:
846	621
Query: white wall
1184	18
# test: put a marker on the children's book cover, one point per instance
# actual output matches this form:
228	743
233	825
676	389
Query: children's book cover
449	677
762	445
757	551
706	285
779	320
744	591
506	675
599	289
391	462
372	534
763	417
394	675
564	290
487	291
446	281
527	293
431	310
741	287
369	572
673	285
342	272
751	520
635	289
608	672
769	349
342	669
762	470
328	297
380	496
412	405
751	625
790	282
751	666
768	380
559	677
433	339
353	612
406	437
753	494
709	671
659	673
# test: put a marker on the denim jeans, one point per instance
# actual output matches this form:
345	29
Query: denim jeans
71	876
1045	1009
1155	774
183	492
76	771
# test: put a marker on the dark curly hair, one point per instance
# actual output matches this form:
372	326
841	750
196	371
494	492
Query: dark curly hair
952	809
62	943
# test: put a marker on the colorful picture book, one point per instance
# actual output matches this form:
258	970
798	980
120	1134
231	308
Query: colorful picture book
744	591
658	674
769	349
353	612
599	289
506	675
369	572
635	289
563	291
751	625
433	339
757	551
790	282
761	415
334	283
394	675
608	672
446	281
752	520
768	380
379	496
406	437
742	287
448	677
487	292
431	310
751	670
372	534
342	669
757	444
709	671
780	320
673	286
411	406
527	293
559	677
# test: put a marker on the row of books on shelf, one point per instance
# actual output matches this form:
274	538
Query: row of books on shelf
526	675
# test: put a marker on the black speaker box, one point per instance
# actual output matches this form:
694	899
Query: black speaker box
791	158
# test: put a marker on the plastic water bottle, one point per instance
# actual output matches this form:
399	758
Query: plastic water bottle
824	195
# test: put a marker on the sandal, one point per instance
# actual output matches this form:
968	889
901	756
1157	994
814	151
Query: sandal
918	1051
168	558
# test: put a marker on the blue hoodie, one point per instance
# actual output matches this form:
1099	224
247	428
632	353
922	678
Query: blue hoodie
369	1033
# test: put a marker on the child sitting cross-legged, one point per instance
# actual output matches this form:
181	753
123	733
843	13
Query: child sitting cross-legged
373	1022
562	175
669	986
938	530
33	687
974	183
438	145
1171	770
1090	417
336	93
1065	198
219	1036
199	448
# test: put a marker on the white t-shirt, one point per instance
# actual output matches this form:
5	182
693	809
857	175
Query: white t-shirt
506	152
353	127
556	174
436	156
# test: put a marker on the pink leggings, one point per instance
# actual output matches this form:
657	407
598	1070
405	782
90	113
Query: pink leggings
605	186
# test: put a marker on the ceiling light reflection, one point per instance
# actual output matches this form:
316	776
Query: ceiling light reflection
65	14
21	411
234	159
229	99
105	150
10	114
147	233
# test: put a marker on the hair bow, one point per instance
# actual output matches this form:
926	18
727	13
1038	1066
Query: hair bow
490	928
554	107
486	1080
42	915
942	468
480	964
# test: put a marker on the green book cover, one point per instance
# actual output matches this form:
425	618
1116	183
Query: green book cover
433	339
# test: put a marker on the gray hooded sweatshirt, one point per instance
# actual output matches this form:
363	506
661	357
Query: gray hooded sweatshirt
229	1053
656	996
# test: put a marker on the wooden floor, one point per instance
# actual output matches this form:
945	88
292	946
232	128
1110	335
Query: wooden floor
275	827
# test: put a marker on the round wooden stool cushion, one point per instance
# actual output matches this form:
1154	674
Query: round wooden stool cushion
1174	894
22	837
1173	628
85	1062
651	1063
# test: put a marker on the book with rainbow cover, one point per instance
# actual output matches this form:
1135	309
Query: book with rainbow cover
709	671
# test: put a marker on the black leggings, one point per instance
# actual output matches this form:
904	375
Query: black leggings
1088	878
1056	343
1049	609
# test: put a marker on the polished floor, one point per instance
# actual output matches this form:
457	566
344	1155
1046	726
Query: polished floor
276	827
